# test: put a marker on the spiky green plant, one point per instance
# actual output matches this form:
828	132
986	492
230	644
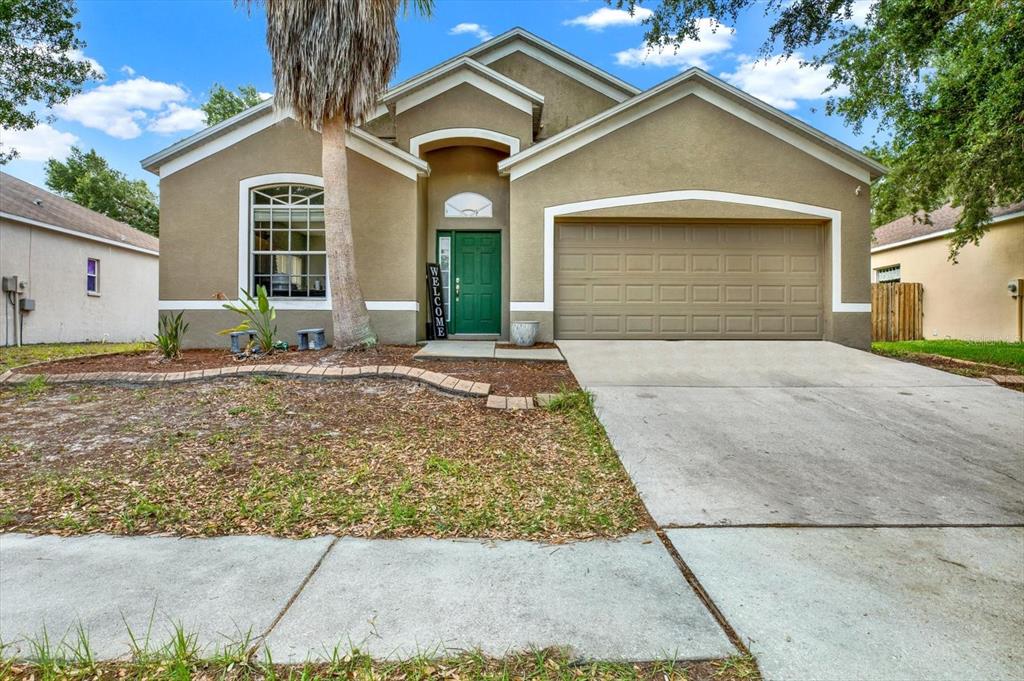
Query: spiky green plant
171	330
259	317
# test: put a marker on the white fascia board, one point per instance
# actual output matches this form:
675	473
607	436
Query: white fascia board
455	65
697	83
357	140
461	133
75	233
603	124
518	40
552	212
511	97
153	162
372	305
945	232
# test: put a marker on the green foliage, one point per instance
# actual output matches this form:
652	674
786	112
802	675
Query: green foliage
223	103
87	179
944	80
46	352
170	332
259	317
1009	355
40	58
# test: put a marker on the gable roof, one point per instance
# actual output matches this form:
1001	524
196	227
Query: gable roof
714	90
431	83
912	228
521	40
31	205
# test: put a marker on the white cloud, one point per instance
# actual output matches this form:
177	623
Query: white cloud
473	29
127	70
38	144
859	12
711	40
265	95
178	118
781	82
118	109
602	18
97	68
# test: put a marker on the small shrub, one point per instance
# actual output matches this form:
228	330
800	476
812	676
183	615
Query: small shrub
171	330
259	317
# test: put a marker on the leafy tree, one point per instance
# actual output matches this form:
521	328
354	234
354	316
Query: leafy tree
331	59
223	103
943	78
87	179
38	61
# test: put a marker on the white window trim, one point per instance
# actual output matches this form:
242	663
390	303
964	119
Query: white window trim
472	133
552	212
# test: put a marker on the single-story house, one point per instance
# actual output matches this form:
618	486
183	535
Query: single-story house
546	189
971	299
71	274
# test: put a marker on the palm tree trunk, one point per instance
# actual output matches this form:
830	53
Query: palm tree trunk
350	319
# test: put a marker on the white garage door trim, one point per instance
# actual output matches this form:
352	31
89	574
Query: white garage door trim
551	212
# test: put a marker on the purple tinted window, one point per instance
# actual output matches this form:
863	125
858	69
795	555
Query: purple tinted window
92	277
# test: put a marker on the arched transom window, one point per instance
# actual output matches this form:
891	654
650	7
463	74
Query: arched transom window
467	205
287	242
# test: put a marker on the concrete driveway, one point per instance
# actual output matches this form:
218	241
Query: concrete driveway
851	516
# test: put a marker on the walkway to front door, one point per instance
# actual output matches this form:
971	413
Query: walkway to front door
476	283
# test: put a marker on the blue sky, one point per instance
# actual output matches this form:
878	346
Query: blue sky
160	58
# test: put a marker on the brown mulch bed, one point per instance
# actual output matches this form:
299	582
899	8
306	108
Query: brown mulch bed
957	366
505	376
293	458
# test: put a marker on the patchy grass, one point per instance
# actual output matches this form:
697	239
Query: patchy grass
181	658
46	352
291	458
1010	355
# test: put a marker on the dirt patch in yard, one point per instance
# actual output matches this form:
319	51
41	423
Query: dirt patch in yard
506	377
956	366
257	455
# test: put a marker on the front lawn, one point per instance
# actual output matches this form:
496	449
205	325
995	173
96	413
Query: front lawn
292	458
45	352
1010	355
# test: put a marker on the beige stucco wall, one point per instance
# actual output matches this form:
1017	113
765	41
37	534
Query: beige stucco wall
199	219
566	100
967	300
469	169
54	266
464	106
691	144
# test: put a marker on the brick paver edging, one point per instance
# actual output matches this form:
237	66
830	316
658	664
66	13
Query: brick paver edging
444	382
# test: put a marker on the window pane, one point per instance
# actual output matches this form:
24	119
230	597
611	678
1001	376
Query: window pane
280	241
90	267
317	264
261	240
261	281
318	286
280	218
261	218
317	241
300	241
288	223
316	218
261	264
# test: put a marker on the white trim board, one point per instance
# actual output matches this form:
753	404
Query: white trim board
454	133
357	140
552	212
75	233
945	232
460	77
700	84
371	305
519	40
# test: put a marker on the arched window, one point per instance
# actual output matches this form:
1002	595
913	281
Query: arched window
467	205
288	248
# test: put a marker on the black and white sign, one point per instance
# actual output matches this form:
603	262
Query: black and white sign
436	327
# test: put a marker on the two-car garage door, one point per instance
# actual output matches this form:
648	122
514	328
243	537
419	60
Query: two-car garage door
682	281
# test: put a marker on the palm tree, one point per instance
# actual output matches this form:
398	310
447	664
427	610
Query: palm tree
331	60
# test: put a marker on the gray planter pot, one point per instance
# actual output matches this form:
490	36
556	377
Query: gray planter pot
524	334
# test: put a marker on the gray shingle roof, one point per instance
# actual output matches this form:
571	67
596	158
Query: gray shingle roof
21	199
941	219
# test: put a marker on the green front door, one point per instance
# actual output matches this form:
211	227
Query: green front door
476	278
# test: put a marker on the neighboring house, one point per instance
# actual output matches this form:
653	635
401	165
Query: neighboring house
91	278
969	299
548	190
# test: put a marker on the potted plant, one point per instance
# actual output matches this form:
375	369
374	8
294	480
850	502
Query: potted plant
524	334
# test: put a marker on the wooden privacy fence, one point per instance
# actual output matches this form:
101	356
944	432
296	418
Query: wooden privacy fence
897	312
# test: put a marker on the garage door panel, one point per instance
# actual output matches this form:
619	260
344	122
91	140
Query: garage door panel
689	281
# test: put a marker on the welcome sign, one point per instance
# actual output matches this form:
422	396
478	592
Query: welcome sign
436	327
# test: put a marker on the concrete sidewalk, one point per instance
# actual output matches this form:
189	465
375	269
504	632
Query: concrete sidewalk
613	600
